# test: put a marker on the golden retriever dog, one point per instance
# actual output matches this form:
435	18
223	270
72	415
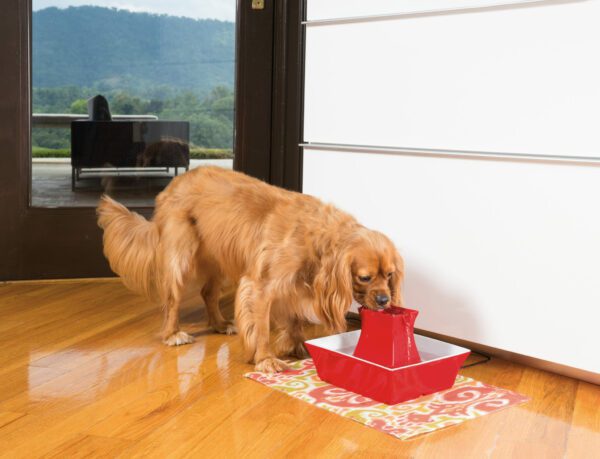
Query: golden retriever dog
294	259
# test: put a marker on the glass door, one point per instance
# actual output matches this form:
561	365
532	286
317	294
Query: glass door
119	97
127	94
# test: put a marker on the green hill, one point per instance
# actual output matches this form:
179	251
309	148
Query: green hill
172	67
141	53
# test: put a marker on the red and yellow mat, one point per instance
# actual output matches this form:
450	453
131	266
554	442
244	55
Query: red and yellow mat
467	399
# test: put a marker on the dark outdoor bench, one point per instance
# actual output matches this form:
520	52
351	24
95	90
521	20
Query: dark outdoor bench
111	147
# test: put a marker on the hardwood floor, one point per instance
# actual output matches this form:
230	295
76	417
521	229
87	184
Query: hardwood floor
83	374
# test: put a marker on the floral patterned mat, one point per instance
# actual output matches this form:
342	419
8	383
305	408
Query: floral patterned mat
467	399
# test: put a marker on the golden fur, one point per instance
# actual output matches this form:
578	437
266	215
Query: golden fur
294	259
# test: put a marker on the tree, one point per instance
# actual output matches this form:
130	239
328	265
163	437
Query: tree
79	106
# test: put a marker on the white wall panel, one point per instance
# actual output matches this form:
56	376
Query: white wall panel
502	253
520	80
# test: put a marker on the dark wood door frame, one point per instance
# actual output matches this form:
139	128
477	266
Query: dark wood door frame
288	95
274	96
41	243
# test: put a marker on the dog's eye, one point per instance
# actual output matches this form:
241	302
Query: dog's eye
390	274
364	278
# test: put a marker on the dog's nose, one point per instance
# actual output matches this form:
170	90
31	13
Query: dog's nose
382	300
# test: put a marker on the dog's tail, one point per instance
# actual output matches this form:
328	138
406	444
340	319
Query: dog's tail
130	243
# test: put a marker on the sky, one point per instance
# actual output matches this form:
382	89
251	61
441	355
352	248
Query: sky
197	9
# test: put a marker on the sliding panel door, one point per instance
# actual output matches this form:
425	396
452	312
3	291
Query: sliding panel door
470	137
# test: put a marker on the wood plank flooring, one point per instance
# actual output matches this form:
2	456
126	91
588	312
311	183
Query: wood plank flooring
83	374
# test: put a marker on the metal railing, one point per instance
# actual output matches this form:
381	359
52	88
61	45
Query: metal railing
63	120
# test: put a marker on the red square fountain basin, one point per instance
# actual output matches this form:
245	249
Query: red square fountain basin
336	364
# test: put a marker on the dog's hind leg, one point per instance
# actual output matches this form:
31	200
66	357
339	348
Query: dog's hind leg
252	313
211	292
171	334
176	251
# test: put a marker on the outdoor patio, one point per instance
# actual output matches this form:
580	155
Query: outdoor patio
51	184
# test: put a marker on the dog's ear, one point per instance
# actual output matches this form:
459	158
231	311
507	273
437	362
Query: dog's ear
395	282
333	290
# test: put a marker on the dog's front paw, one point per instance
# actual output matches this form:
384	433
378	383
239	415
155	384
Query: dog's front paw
226	328
271	365
178	339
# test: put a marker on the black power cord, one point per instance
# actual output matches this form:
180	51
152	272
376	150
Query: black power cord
486	359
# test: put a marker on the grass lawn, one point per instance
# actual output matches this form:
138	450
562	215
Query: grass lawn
42	152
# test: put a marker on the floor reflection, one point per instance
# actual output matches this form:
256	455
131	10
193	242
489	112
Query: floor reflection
149	368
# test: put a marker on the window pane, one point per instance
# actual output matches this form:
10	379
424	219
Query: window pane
126	94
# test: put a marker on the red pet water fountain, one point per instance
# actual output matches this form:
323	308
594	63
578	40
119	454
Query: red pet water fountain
384	360
387	337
